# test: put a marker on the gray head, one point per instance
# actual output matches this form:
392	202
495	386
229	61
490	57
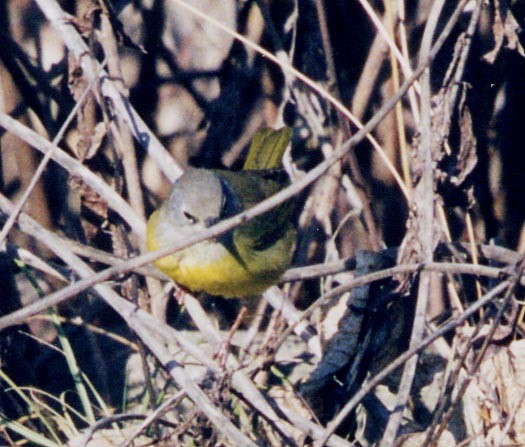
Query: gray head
197	199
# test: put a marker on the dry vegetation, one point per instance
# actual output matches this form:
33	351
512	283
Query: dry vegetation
402	323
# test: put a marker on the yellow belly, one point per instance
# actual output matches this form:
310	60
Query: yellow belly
221	275
208	266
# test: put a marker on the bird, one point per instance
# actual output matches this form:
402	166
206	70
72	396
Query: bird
247	260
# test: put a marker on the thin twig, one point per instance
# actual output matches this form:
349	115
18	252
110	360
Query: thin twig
156	335
129	313
399	361
424	198
381	29
45	160
152	417
290	72
64	24
261	208
76	169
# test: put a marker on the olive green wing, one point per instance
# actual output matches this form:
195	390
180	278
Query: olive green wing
253	187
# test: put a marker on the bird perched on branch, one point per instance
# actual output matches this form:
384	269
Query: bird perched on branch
246	260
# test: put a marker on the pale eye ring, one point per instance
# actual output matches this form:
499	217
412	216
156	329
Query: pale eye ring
190	217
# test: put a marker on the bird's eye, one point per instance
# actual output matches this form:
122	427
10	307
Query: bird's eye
189	217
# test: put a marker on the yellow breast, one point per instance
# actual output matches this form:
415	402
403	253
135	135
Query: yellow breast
208	266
